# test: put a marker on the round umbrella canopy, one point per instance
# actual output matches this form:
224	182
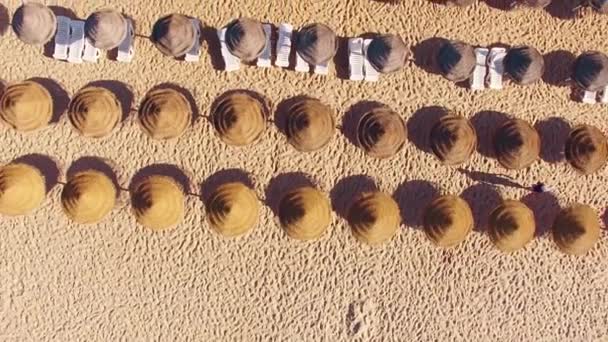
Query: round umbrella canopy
305	213
381	132
26	106
174	35
165	113
158	202
374	217
232	209
94	111
535	3
310	125
516	144
245	38
576	229
586	149
600	5
316	43
456	60
22	189
524	65
447	220
590	71
238	118
453	139
461	3
88	196
34	23
511	226
387	53
106	29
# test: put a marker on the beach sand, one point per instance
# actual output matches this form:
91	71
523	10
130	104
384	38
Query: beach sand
119	281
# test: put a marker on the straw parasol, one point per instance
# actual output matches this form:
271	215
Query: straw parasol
310	125
453	139
516	144
26	106
590	71
34	23
447	220
316	43
22	189
576	229
387	53
94	111
245	38
461	3
106	29
586	149
524	65
305	213
174	35
158	202
456	60
88	196
238	118
164	113
600	5
381	132
232	209
536	3
374	217
511	226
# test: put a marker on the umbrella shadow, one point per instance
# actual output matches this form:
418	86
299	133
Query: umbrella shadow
558	65
545	207
209	35
491	179
196	113
352	117
604	218
347	190
222	177
162	169
486	123
4	20
563	9
122	91
47	166
503	5
49	47
283	110
413	197
341	59
61	98
482	198
553	133
282	184
420	124
95	164
425	54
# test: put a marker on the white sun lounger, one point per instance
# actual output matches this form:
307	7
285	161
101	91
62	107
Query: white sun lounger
604	98
301	65
355	59
480	71
194	54
322	69
76	41
91	53
264	61
284	45
62	38
231	62
496	67
589	97
126	49
371	74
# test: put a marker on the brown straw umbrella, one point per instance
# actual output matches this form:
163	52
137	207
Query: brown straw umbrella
94	111
158	202
304	213
453	139
26	106
232	209
316	43
387	53
381	132
516	144
106	29
34	23
22	189
511	226
310	124
456	60
88	196
524	65
586	149
245	38
164	114
174	35
239	118
576	229
590	71
447	220
374	217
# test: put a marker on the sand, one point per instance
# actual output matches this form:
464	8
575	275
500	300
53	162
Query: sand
118	281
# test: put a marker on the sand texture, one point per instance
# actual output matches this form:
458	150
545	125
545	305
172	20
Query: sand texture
117	281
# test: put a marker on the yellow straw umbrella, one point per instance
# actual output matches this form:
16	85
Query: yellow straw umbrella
447	220
165	114
22	189
511	226
576	229
453	139
158	202
238	118
94	111
586	149
374	217
232	209
517	144
381	132
310	125
26	106
305	213
88	196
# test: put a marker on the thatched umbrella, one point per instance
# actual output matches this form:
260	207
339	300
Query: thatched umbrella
34	23
576	229
387	53
374	217
26	106
164	113
456	60
524	65
106	29
174	35
94	111
453	139
88	196
511	226
232	209
600	5
516	144
586	149
590	71
238	118
447	220
316	43
245	38
310	124
22	189
305	213
381	132
158	202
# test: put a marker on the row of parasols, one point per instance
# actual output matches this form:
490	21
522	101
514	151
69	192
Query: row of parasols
240	117
304	212
600	6
316	44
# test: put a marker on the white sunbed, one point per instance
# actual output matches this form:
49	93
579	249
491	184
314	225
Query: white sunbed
371	74
355	59
322	69
194	54
479	73
283	46
264	61
604	98
62	38
589	97
496	67
126	49
231	62
301	65
91	53
76	41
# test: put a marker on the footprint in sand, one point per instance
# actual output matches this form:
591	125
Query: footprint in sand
361	318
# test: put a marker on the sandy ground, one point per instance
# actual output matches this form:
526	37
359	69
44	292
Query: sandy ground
118	281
